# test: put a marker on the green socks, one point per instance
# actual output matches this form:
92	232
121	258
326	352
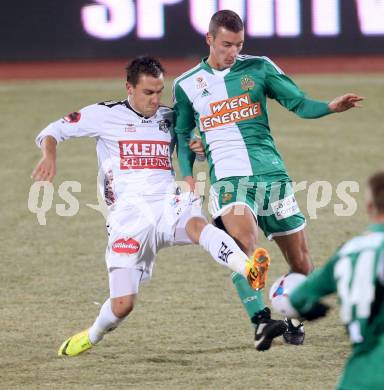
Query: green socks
251	299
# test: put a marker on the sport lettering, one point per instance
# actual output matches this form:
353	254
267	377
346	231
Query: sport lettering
144	155
224	252
232	110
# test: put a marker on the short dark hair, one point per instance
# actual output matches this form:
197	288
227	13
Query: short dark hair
376	186
143	65
225	18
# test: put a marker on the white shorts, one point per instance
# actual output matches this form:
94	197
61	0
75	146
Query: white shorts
138	230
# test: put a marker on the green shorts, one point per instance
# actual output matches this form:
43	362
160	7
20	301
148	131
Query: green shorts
270	197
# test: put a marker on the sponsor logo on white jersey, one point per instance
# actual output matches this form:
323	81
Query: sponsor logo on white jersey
144	155
232	110
130	128
129	246
164	125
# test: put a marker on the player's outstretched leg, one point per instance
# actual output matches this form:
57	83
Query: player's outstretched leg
266	329
225	251
295	249
249	276
105	322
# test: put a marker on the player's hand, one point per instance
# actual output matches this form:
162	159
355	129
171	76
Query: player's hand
191	183
196	145
345	102
45	169
318	310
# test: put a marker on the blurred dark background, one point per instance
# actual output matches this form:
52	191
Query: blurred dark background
113	29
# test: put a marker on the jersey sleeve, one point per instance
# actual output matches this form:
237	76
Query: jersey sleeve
281	88
184	126
83	123
318	284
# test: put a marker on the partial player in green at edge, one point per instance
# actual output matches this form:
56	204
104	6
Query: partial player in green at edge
356	274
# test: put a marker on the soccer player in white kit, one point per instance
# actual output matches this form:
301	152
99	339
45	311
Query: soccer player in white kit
134	143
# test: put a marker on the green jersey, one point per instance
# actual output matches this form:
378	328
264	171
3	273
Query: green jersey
229	108
356	273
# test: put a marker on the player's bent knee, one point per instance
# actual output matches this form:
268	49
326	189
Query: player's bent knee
194	228
122	306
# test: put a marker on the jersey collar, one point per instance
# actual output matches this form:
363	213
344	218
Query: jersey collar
204	64
137	113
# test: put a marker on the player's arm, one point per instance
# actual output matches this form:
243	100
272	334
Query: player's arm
184	126
46	167
305	299
281	88
76	124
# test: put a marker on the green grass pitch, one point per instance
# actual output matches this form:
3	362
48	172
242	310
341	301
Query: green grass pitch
188	330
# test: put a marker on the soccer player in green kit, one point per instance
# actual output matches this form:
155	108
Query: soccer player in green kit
225	97
356	273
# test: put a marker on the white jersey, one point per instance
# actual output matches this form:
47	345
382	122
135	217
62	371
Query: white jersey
134	152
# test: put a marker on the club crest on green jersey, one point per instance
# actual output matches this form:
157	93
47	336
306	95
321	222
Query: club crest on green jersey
247	83
226	197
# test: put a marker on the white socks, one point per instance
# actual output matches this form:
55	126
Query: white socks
104	322
223	248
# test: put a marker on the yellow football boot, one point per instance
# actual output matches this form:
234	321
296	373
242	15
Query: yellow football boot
76	344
